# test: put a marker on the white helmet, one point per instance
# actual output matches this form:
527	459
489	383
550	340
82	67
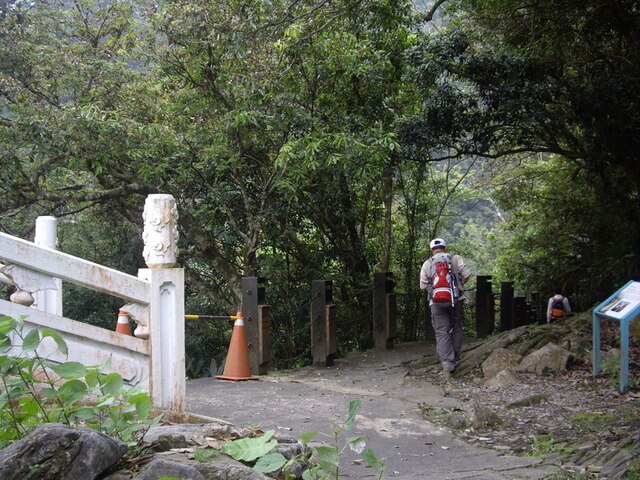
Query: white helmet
437	242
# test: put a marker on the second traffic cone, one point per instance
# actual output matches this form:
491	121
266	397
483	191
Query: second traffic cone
123	325
237	365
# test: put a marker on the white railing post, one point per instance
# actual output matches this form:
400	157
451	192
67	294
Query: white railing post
166	302
49	300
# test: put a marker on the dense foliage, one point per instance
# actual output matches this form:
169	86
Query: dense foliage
310	140
538	82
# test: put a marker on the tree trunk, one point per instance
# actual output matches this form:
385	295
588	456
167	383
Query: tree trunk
388	203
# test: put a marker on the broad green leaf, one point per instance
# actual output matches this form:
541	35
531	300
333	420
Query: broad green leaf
5	341
49	393
28	406
31	341
70	370
121	413
249	449
7	364
105	401
127	431
154	422
72	391
328	458
17	386
136	390
26	364
142	403
112	384
7	324
91	377
357	444
354	408
270	462
86	413
104	368
313	473
371	458
107	426
306	437
62	345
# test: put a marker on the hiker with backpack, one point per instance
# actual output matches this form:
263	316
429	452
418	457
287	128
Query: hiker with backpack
558	307
442	277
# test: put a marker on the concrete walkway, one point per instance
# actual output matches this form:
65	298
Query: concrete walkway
314	399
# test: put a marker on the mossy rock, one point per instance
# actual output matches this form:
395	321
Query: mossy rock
529	401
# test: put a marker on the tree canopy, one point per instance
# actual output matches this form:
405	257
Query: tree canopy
515	78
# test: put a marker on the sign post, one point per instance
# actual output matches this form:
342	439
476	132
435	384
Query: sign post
623	306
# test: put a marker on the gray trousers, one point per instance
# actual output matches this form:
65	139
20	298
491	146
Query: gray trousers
448	343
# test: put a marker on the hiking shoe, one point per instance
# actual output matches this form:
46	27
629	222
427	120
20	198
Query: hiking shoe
448	367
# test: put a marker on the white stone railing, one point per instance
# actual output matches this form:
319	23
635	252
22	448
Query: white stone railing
154	358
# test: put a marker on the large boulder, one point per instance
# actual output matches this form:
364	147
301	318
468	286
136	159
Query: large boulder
57	452
498	360
503	379
163	468
551	357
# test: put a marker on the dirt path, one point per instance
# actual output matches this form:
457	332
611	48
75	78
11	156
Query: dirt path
317	399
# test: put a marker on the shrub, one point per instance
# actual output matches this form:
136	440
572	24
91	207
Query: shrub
36	390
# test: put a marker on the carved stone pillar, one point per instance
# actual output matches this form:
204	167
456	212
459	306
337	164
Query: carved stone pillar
164	315
160	233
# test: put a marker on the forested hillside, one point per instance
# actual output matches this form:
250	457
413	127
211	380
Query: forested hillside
327	140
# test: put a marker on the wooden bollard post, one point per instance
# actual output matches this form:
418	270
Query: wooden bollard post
323	323
484	307
520	311
384	310
506	306
257	321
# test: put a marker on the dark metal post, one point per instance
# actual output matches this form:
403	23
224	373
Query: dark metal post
491	308
384	310
539	313
323	323
257	321
506	306
520	311
484	307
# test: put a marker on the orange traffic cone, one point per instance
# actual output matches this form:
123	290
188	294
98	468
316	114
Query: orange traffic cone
123	323
237	365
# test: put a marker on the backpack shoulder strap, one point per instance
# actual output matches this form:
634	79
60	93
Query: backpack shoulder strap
454	264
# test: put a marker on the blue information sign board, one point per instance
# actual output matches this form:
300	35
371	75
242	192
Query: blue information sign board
623	306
